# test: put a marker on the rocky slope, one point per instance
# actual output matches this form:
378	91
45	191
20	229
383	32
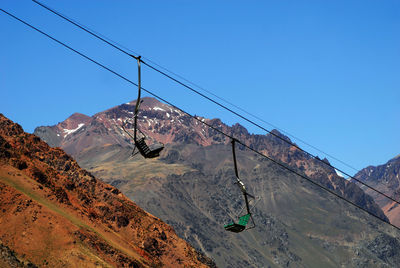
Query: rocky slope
386	179
8	258
191	187
55	214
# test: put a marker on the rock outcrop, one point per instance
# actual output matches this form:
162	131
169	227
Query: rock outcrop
385	178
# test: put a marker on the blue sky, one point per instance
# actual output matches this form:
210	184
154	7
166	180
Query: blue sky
325	71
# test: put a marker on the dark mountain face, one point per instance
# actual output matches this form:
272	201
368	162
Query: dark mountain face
191	186
56	214
386	179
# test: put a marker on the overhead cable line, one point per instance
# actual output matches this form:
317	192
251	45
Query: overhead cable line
118	46
110	42
84	29
205	123
65	45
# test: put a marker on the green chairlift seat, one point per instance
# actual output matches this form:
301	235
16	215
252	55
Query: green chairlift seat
240	226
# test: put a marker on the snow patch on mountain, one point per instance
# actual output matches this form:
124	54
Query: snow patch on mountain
158	109
340	174
70	131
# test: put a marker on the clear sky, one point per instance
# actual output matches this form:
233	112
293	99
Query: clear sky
327	72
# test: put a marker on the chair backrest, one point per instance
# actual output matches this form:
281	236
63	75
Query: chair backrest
142	146
146	151
243	220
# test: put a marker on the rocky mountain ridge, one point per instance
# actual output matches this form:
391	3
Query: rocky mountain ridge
386	179
56	214
160	122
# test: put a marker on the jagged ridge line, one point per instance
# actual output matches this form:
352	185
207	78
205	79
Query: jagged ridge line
221	132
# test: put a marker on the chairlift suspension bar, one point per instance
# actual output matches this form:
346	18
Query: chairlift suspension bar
239	182
234	158
139	85
247	203
138	98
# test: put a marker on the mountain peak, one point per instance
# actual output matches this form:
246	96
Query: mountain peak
239	129
79	117
277	133
8	127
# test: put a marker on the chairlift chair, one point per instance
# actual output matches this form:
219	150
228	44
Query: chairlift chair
140	144
241	225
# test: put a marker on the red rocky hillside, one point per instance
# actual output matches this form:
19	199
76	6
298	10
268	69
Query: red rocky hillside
55	214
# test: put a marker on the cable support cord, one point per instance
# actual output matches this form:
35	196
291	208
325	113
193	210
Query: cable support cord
225	107
83	28
208	125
